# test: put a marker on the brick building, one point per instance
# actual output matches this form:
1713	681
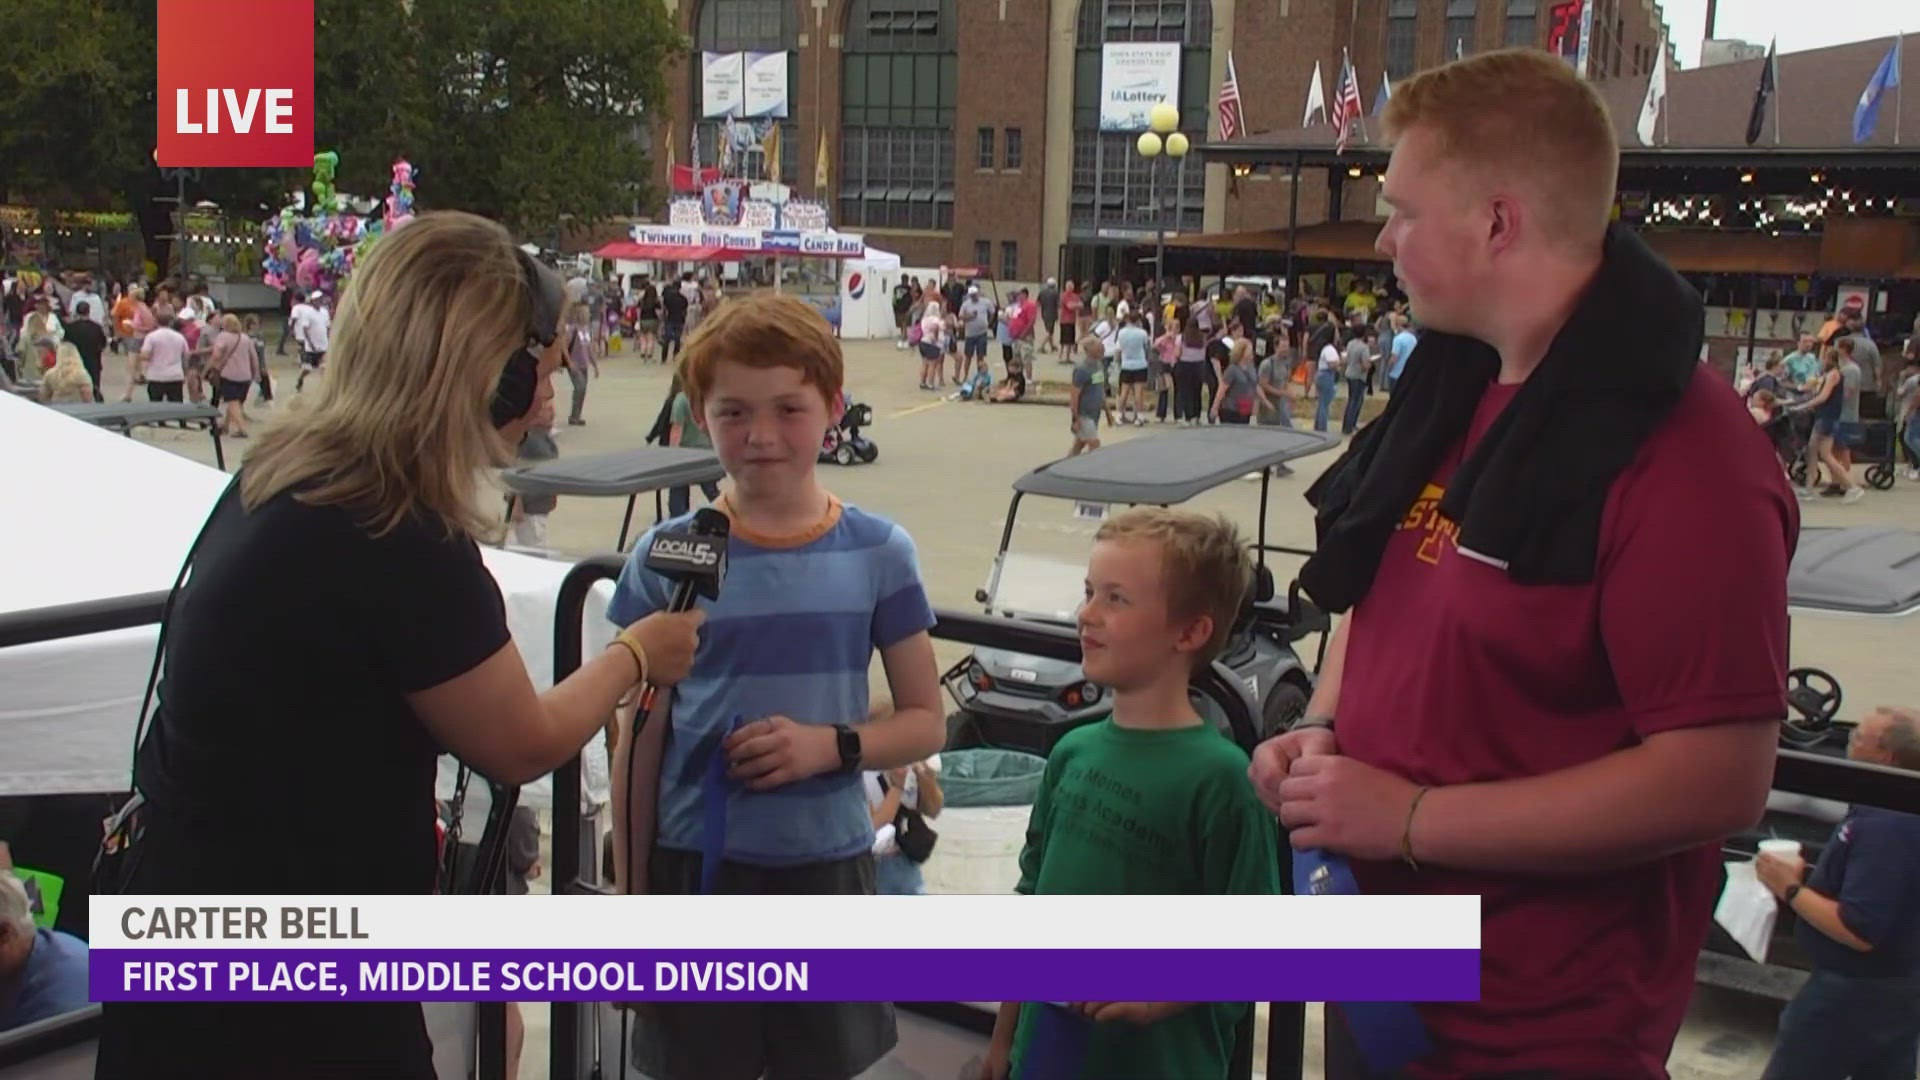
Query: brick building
965	132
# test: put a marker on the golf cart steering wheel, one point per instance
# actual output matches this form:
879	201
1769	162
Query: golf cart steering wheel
1813	703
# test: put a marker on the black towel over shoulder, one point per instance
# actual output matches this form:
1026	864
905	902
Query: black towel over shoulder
1532	492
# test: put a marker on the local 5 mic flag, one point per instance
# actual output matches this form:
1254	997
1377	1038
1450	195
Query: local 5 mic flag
236	83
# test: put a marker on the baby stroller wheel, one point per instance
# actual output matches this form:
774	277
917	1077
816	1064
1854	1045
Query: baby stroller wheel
1798	471
844	453
868	451
1880	476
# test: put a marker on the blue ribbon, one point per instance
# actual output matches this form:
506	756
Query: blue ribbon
1388	1034
715	790
1056	1044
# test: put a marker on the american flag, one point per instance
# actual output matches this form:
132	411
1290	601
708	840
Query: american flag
1233	121
1347	108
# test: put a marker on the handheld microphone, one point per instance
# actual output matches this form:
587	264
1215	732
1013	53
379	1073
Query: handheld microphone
695	560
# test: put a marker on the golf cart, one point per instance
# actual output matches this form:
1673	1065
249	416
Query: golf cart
1871	571
1019	702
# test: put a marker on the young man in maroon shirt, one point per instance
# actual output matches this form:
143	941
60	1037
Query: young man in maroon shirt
1562	556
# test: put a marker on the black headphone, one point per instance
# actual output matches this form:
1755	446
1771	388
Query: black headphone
520	378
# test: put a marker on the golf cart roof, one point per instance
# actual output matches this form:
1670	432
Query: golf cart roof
1171	467
1864	570
619	472
135	413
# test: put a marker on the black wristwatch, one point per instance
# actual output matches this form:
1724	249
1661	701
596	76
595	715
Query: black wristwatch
1793	890
848	741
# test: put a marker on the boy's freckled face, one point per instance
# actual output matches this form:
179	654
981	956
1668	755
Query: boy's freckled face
1127	636
765	423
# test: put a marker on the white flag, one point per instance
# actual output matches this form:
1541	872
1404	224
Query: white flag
1316	98
1656	98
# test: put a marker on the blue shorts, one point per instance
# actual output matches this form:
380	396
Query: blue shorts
1824	425
1849	433
977	345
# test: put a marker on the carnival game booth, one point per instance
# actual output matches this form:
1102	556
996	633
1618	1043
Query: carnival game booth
674	248
87	569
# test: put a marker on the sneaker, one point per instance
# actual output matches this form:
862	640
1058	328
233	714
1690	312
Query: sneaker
1831	492
1854	495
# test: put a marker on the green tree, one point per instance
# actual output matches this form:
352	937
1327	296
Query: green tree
527	111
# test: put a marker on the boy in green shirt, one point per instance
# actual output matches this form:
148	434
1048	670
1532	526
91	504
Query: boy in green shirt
1152	800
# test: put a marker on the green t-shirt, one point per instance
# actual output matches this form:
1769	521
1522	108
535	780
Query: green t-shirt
1131	812
691	434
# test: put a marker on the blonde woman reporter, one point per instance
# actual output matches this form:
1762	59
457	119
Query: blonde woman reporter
339	630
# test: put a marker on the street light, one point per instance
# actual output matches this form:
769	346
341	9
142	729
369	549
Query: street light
1162	120
179	176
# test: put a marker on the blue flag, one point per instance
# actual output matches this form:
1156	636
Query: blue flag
1867	114
1380	99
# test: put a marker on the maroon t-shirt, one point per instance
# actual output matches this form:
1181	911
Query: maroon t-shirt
1456	674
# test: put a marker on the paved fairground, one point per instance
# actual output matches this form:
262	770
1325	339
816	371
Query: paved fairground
945	471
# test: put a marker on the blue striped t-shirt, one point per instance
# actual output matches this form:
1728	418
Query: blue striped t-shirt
792	634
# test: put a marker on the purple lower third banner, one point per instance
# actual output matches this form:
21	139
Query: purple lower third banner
309	974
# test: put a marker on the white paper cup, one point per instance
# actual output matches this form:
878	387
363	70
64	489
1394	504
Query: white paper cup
1783	848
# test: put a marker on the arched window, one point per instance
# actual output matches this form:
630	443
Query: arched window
897	114
1111	182
726	26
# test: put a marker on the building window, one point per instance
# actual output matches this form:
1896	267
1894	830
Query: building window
1014	149
1460	27
1111	181
1009	260
749	26
1403	36
897	114
983	255
984	155
1523	23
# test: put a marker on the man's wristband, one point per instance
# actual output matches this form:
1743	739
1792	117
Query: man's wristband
1320	720
1406	832
1793	890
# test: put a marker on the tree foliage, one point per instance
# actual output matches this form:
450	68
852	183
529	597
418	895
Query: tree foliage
522	110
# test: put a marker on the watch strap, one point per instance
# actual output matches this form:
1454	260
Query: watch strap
1793	890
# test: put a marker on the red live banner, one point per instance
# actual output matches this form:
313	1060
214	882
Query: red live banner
236	83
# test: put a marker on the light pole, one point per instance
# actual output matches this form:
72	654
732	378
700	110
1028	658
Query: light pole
179	176
1162	120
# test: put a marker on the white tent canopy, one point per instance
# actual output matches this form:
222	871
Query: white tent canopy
94	515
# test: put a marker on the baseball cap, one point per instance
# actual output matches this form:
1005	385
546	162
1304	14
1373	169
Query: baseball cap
973	290
316	295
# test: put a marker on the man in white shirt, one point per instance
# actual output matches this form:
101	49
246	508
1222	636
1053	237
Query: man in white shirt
84	294
1326	384
311	324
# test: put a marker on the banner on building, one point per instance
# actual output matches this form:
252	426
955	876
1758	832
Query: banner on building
1134	77
765	77
722	83
743	84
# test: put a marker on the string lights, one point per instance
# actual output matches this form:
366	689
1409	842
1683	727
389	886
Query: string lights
1797	212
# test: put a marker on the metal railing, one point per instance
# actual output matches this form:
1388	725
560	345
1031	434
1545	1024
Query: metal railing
1797	772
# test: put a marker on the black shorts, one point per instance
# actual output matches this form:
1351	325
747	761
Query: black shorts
234	390
1132	376
312	360
1067	330
797	1040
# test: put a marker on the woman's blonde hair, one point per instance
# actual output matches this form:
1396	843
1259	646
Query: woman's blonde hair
230	323
67	363
400	424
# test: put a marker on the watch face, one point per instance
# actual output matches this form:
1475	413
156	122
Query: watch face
849	747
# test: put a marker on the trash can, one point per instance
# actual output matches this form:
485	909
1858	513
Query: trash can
989	797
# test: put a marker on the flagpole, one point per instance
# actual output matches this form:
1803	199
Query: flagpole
1779	103
1899	59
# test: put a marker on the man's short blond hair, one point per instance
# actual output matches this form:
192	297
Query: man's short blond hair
1204	565
1521	113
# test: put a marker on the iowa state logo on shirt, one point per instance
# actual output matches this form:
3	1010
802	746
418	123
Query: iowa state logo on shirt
1425	516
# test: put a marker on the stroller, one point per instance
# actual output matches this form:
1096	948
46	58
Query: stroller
1789	433
844	445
